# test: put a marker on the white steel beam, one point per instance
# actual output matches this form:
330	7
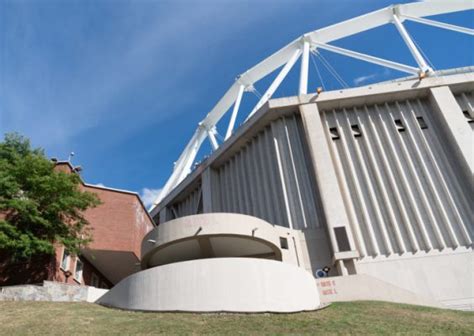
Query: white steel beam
283	56
183	166
438	24
304	71
234	112
367	58
276	83
434	7
212	139
424	67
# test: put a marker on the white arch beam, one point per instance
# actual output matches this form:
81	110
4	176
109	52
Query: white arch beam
411	45
276	83
212	138
235	110
304	71
438	24
282	56
368	58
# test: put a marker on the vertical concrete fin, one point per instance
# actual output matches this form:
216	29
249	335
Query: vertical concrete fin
332	199
450	115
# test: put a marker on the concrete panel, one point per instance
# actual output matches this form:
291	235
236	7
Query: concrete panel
219	284
457	130
51	291
365	287
332	200
404	192
446	277
270	177
250	230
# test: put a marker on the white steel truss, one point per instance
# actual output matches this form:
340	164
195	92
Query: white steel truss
287	56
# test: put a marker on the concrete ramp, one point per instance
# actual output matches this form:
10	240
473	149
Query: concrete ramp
359	287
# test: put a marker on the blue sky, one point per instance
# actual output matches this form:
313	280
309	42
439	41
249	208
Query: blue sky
124	83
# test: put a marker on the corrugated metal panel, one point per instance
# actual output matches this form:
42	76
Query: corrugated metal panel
271	178
190	205
403	192
466	102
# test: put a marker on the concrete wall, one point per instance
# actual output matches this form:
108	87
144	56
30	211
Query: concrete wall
466	103
308	248
189	203
219	284
210	236
270	178
446	277
389	168
51	291
403	190
365	287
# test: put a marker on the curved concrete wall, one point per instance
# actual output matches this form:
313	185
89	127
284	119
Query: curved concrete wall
218	284
247	232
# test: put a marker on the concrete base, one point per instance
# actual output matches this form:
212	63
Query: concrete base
365	287
51	291
219	284
446	277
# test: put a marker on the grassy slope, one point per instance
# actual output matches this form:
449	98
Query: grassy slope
40	318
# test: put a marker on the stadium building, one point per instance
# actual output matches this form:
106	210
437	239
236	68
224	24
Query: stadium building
356	194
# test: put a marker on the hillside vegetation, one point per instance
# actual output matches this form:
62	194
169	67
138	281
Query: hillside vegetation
361	318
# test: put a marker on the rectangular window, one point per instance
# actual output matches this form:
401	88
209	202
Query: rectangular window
342	239
421	122
334	133
356	131
284	243
399	125
94	280
65	260
78	270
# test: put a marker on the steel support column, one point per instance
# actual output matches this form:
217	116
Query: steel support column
303	89
424	67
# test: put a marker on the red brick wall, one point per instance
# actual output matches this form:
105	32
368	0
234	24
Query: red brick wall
118	224
31	271
88	269
46	267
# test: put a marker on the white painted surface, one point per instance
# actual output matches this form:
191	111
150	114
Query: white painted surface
225	235
289	54
94	294
271	178
405	193
219	284
403	189
365	287
446	277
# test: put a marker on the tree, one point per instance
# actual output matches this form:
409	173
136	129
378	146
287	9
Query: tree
39	206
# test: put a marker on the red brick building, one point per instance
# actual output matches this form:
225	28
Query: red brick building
118	226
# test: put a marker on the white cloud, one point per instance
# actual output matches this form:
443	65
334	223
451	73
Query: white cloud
149	196
380	75
363	79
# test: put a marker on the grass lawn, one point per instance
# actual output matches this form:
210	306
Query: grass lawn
362	318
